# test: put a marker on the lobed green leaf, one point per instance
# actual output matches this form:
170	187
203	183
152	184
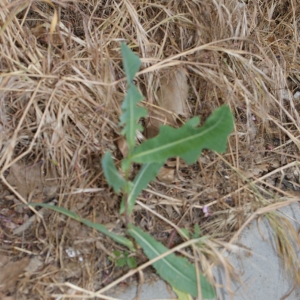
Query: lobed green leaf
131	111
188	141
177	271
131	62
112	175
131	115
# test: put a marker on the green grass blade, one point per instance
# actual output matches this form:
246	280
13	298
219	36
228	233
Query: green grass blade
111	173
145	175
131	62
177	271
188	141
101	228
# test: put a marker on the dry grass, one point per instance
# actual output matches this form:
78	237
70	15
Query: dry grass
60	100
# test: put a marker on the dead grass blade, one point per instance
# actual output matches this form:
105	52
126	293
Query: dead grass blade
61	86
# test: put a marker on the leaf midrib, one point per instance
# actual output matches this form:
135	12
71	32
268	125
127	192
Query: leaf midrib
164	258
163	147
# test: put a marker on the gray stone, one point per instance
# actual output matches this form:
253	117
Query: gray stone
260	268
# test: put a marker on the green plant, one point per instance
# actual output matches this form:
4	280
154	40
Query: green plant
187	143
196	232
123	259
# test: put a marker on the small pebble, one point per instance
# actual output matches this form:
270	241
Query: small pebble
297	96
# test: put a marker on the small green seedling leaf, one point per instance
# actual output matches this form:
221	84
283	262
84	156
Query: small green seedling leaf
188	141
121	262
111	173
123	259
117	253
131	115
117	238
131	262
145	175
177	271
131	62
197	231
131	112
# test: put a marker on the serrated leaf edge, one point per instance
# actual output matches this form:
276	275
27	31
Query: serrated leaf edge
136	157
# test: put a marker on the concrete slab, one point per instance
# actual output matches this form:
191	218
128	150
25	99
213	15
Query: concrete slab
156	290
261	271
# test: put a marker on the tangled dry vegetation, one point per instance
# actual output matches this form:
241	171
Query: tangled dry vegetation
60	99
